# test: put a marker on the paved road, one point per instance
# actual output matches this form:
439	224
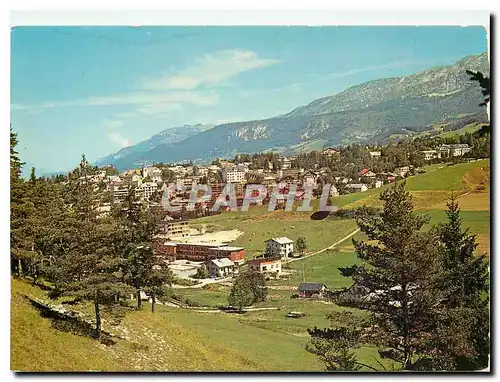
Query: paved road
202	282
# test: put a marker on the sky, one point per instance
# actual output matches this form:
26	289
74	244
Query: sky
95	90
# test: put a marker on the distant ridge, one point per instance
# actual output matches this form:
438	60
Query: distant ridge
361	113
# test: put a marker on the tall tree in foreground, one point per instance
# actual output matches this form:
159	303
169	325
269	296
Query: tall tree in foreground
143	268
90	267
485	84
397	286
21	210
465	326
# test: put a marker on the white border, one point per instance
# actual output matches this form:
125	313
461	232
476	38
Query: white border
437	13
252	17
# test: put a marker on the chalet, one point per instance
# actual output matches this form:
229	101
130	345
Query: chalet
279	246
220	267
265	265
356	187
307	290
367	173
309	178
455	150
329	151
391	178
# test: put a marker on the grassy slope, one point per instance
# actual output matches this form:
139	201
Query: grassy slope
431	191
37	346
170	340
467	129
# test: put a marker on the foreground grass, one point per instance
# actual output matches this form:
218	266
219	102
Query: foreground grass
169	340
37	346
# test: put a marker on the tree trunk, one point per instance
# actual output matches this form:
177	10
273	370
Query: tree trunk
139	301
153	302
97	319
20	267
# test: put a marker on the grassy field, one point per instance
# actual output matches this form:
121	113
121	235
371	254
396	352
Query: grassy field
447	178
467	129
258	228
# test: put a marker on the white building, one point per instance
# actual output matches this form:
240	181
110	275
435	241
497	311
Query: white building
146	190
286	164
220	267
133	179
279	246
357	187
265	265
329	151
455	150
333	191
375	154
378	183
430	154
402	171
233	174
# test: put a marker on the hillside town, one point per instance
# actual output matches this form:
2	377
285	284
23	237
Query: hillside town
181	244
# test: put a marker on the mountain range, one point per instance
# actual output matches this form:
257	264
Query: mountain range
369	112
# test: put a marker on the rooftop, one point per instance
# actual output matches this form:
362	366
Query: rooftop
281	240
228	248
311	287
224	262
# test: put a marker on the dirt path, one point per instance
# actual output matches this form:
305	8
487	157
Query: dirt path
327	248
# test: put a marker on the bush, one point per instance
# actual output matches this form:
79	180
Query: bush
202	273
186	282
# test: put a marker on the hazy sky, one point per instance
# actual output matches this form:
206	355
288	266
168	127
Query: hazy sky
94	90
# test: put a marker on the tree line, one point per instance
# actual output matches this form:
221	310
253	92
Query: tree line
61	233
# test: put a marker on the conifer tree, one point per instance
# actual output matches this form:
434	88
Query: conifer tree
143	268
396	286
464	337
90	267
21	209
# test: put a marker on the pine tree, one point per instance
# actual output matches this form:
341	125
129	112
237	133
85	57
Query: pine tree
90	267
301	245
397	285
465	280
21	209
143	268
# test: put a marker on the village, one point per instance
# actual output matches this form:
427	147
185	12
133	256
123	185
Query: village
197	257
219	198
